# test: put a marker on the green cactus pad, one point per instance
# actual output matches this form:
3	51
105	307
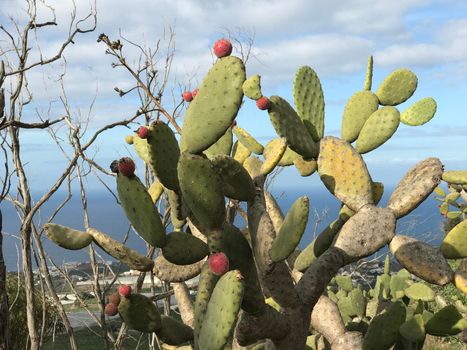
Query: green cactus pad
222	310
288	124
397	285
358	109
309	101
319	245
454	245
358	303
252	87
455	177
164	154
420	112
344	173
240	152
305	167
274	153
140	210
184	249
416	185
155	191
215	107
420	291
291	231
383	330
421	259
201	188
66	237
397	87
120	252
178	213
247	140
174	332
378	191
222	146
140	313
237	183
413	329
344	282
288	157
447	321
369	74
142	148
378	128
253	166
169	272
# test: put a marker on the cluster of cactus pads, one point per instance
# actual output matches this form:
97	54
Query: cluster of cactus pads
256	290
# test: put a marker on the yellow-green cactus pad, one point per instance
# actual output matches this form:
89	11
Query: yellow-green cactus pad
66	237
378	191
447	321
415	186
305	167
369	74
378	128
140	313
184	249
291	231
222	146
119	251
164	154
202	190
288	124
397	87
215	107
420	112
454	245
169	272
142	148
253	165
247	140
420	291
309	101
155	191
344	173
273	153
358	109
237	183
421	259
240	152
174	332
288	157
140	210
455	177
252	87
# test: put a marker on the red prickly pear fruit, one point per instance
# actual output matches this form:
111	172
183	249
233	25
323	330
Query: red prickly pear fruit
143	132
111	309
126	167
124	290
114	298
222	48
263	103
194	92
219	263
187	96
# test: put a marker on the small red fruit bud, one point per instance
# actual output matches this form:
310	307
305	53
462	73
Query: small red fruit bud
126	167
187	96
114	298
263	103
194	92
111	309
219	263
143	132
222	48
124	290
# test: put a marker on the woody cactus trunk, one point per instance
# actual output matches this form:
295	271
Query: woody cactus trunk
258	293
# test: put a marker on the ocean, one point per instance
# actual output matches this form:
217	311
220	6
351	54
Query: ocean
106	215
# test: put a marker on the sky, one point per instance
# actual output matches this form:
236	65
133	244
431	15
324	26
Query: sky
333	37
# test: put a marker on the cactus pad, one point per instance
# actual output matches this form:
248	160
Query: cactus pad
305	167
164	154
184	249
447	321
155	191
369	74
455	177
201	188
358	109
288	157
169	272
174	332
222	146
237	183
460	276
253	166
66	237
120	252
344	173
421	259
420	291
288	124
240	152
416	185
140	313
273	154
140	210
454	245
413	329
178	213
378	128
291	231
142	148
252	87
247	140
420	112
216	105
397	87
309	101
